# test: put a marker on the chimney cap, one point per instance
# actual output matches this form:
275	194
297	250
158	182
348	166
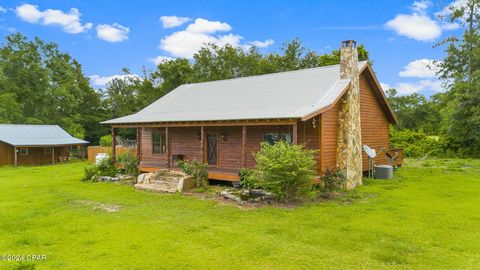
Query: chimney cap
349	43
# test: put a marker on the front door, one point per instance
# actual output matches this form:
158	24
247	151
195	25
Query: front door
212	149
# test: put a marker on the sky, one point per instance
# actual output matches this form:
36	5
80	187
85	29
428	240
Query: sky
106	36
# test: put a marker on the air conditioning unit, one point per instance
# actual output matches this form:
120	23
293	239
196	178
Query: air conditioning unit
383	171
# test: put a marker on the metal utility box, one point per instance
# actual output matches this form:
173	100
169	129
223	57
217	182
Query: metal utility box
383	171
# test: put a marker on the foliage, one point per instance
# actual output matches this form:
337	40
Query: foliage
90	173
416	112
286	170
106	167
197	170
460	69
333	180
417	143
129	163
247	179
106	140
39	84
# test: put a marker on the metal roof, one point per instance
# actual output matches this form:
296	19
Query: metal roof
36	135
292	94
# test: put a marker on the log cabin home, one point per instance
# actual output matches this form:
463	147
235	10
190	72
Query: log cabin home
333	109
35	144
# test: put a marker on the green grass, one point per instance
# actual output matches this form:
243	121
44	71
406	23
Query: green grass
428	217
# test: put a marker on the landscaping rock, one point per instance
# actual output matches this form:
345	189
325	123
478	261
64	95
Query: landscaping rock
165	181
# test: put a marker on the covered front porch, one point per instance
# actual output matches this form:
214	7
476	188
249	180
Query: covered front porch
226	146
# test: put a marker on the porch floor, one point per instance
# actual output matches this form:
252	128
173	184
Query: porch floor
223	174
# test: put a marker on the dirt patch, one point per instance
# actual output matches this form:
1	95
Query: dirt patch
109	208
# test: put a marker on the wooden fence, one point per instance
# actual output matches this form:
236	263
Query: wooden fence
94	150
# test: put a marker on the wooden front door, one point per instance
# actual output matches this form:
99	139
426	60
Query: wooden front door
212	149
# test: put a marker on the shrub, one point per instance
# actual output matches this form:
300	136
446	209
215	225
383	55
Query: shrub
106	140
90	173
417	144
106	167
247	179
197	170
284	169
333	180
129	163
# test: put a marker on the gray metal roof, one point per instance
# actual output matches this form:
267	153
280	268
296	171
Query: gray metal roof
292	94
36	135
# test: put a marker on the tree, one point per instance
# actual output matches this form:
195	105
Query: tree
43	85
460	69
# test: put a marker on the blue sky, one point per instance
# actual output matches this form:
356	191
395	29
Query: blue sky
106	36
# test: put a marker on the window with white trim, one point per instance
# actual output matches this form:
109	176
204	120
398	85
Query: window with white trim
23	151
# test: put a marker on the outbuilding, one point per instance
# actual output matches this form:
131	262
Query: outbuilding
35	144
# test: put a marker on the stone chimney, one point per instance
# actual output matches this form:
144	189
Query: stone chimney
349	141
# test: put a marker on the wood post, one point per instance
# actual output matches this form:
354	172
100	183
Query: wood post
244	146
53	155
114	146
83	151
202	142
167	146
321	145
15	156
294	133
139	142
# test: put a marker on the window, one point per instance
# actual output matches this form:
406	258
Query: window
47	150
273	137
23	151
159	141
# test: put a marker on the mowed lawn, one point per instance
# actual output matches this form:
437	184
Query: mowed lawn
428	217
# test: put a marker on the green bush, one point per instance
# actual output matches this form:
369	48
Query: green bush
284	169
106	167
417	144
247	179
90	173
197	170
333	180
106	140
129	163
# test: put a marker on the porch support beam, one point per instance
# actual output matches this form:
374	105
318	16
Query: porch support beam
114	146
15	154
244	146
139	142
82	147
202	142
167	150
295	133
53	155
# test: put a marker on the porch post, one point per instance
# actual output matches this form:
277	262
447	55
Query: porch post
294	133
320	136
202	142
167	150
83	151
15	156
139	142
53	155
244	146
114	146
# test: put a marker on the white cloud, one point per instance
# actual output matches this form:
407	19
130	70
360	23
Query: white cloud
408	88
421	68
69	21
160	59
104	80
186	43
262	44
2	9
112	33
419	25
207	27
173	21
